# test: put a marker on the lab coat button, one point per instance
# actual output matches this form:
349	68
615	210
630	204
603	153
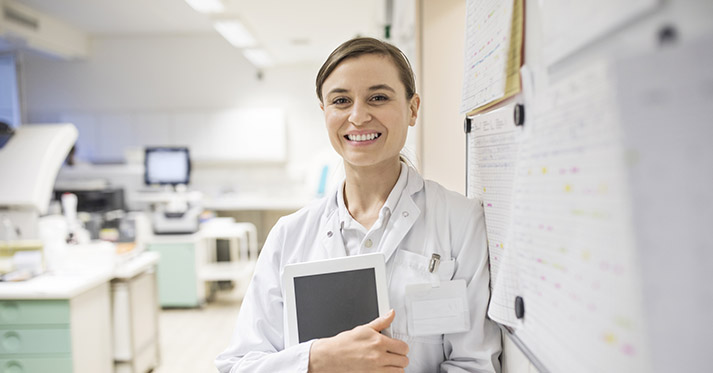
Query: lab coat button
368	244
329	234
405	214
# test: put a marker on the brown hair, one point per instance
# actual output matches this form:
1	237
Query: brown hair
360	46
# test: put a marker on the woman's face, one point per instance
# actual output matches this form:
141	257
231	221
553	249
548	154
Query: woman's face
366	110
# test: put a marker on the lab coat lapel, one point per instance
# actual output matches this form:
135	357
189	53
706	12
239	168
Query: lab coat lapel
331	235
403	217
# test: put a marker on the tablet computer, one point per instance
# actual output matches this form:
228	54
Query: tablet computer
326	297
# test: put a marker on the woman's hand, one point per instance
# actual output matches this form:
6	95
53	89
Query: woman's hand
362	349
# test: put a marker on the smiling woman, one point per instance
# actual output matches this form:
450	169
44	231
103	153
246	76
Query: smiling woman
368	112
367	93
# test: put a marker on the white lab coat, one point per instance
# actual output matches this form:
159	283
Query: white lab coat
427	219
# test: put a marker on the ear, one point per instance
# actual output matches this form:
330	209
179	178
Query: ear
413	107
321	106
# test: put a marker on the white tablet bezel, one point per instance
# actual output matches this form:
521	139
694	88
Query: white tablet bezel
349	263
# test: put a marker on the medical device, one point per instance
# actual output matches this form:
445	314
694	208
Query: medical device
29	163
177	210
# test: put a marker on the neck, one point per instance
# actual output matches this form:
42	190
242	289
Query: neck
367	188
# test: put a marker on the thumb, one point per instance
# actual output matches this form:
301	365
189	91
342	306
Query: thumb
383	322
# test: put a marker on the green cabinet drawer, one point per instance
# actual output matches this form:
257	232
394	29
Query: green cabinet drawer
24	365
176	275
34	341
34	312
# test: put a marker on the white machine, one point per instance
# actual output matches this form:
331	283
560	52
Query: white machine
176	210
178	214
29	163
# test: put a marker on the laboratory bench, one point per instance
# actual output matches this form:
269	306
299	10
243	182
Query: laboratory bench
101	319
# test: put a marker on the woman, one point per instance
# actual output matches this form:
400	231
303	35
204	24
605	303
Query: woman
367	93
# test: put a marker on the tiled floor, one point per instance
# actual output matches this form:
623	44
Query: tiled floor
191	338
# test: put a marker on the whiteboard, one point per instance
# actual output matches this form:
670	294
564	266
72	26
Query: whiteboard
575	199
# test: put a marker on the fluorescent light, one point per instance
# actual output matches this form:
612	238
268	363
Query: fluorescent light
258	57
235	33
206	6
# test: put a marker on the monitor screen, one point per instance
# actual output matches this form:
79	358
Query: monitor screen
167	166
328	304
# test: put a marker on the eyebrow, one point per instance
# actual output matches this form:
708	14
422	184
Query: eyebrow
372	88
381	86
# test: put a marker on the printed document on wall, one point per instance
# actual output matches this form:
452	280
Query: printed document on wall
572	231
493	51
492	152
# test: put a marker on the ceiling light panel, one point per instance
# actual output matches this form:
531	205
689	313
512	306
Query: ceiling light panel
235	33
206	6
258	57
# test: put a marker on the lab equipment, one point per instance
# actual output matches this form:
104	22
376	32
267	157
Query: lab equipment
175	211
93	200
99	207
167	166
29	162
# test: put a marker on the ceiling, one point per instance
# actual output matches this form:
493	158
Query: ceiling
292	31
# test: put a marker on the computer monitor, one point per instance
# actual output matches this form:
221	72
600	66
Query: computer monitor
167	166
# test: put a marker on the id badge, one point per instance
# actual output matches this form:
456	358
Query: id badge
437	310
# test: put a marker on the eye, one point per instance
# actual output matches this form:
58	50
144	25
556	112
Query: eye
340	101
379	97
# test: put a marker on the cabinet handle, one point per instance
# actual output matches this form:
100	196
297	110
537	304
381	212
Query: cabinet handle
11	341
9	311
13	366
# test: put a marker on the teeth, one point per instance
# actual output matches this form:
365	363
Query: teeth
363	137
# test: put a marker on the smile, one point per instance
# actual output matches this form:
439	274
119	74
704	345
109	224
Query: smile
363	137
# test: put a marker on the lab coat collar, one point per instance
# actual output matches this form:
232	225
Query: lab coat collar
330	230
403	217
387	209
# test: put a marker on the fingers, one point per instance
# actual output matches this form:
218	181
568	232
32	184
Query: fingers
396	346
381	323
394	360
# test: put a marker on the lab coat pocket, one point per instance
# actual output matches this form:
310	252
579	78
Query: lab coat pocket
410	268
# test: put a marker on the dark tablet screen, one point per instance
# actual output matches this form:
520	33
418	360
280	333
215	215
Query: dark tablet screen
328	304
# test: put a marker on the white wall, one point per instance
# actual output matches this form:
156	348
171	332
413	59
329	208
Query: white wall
443	141
132	78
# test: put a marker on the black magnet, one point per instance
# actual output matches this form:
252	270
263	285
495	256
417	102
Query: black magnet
519	114
519	307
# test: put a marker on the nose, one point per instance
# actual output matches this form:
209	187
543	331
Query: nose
359	113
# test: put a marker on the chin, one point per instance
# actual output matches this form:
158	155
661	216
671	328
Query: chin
363	162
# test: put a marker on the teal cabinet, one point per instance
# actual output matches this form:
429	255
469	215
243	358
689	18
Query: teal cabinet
31	365
57	335
31	330
177	274
36	341
35	312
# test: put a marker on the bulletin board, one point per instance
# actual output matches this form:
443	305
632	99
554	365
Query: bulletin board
588	126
